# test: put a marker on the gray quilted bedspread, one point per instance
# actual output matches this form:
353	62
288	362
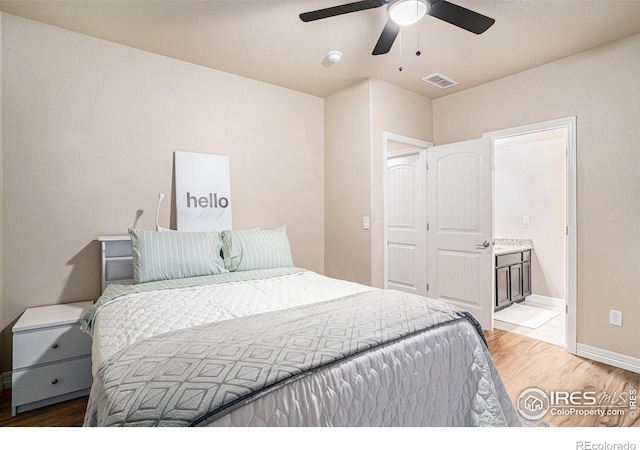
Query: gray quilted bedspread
188	376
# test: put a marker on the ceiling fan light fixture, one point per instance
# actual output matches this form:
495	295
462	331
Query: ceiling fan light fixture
407	12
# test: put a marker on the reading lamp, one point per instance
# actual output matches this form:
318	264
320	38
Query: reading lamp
158	227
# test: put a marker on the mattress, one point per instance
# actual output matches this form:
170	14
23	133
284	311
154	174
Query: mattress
443	376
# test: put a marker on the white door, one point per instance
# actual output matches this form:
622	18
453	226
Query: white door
460	227
406	222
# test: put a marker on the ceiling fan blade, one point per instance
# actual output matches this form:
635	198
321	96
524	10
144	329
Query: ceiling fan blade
460	17
341	9
385	41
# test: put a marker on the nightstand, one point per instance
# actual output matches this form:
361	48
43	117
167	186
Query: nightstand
51	356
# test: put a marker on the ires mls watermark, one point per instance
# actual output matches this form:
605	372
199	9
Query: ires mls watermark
534	403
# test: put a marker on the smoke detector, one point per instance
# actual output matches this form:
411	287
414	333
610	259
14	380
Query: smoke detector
334	56
439	80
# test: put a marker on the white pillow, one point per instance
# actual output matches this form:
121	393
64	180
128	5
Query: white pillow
166	256
256	249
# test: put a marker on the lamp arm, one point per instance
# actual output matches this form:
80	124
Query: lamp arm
160	197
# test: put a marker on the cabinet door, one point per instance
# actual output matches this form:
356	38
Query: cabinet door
526	278
515	275
502	287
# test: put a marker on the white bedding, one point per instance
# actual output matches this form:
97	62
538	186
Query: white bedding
442	378
142	315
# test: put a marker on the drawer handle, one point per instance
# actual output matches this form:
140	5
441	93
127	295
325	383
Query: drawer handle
54	381
54	346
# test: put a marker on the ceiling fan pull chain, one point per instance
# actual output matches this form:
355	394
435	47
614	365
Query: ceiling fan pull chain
418	52
400	50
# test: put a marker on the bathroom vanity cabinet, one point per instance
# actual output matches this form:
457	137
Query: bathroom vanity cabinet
512	275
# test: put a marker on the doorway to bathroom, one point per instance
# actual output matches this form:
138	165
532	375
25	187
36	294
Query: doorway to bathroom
534	223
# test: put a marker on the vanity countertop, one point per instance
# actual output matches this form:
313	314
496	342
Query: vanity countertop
505	246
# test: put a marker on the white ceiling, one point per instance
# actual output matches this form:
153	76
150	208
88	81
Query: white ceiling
265	40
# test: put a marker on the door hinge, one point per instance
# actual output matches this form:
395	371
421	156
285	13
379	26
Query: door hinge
566	309
567	230
427	166
427	227
427	287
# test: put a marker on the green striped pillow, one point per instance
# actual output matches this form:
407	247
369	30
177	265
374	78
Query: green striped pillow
256	249
166	256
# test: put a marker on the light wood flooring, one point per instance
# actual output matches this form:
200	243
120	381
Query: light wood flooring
523	362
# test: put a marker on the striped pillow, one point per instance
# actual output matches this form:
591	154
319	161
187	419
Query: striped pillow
256	249
167	256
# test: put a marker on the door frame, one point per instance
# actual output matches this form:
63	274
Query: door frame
571	245
388	137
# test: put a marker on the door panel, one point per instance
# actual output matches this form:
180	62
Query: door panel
459	277
406	223
458	200
401	177
401	271
460	228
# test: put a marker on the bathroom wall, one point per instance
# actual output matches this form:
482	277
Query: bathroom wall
529	176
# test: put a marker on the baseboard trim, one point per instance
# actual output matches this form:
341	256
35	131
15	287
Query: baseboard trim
605	356
547	301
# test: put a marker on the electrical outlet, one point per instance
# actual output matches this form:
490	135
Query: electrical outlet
615	317
525	220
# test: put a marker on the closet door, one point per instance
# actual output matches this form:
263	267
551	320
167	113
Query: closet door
407	222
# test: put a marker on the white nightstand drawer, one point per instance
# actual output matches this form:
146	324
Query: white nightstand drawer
32	385
49	344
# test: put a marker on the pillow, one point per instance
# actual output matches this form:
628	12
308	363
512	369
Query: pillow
179	254
256	249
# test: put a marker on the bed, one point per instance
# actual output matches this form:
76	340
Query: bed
221	329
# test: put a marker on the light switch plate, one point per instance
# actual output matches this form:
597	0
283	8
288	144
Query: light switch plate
365	222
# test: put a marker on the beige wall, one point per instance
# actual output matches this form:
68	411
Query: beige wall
600	87
348	183
90	128
529	176
356	119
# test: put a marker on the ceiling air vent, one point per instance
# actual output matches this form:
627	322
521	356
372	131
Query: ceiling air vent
440	80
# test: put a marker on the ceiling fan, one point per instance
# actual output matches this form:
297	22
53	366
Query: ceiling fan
407	12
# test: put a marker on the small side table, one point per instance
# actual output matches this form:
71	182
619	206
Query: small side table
51	356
